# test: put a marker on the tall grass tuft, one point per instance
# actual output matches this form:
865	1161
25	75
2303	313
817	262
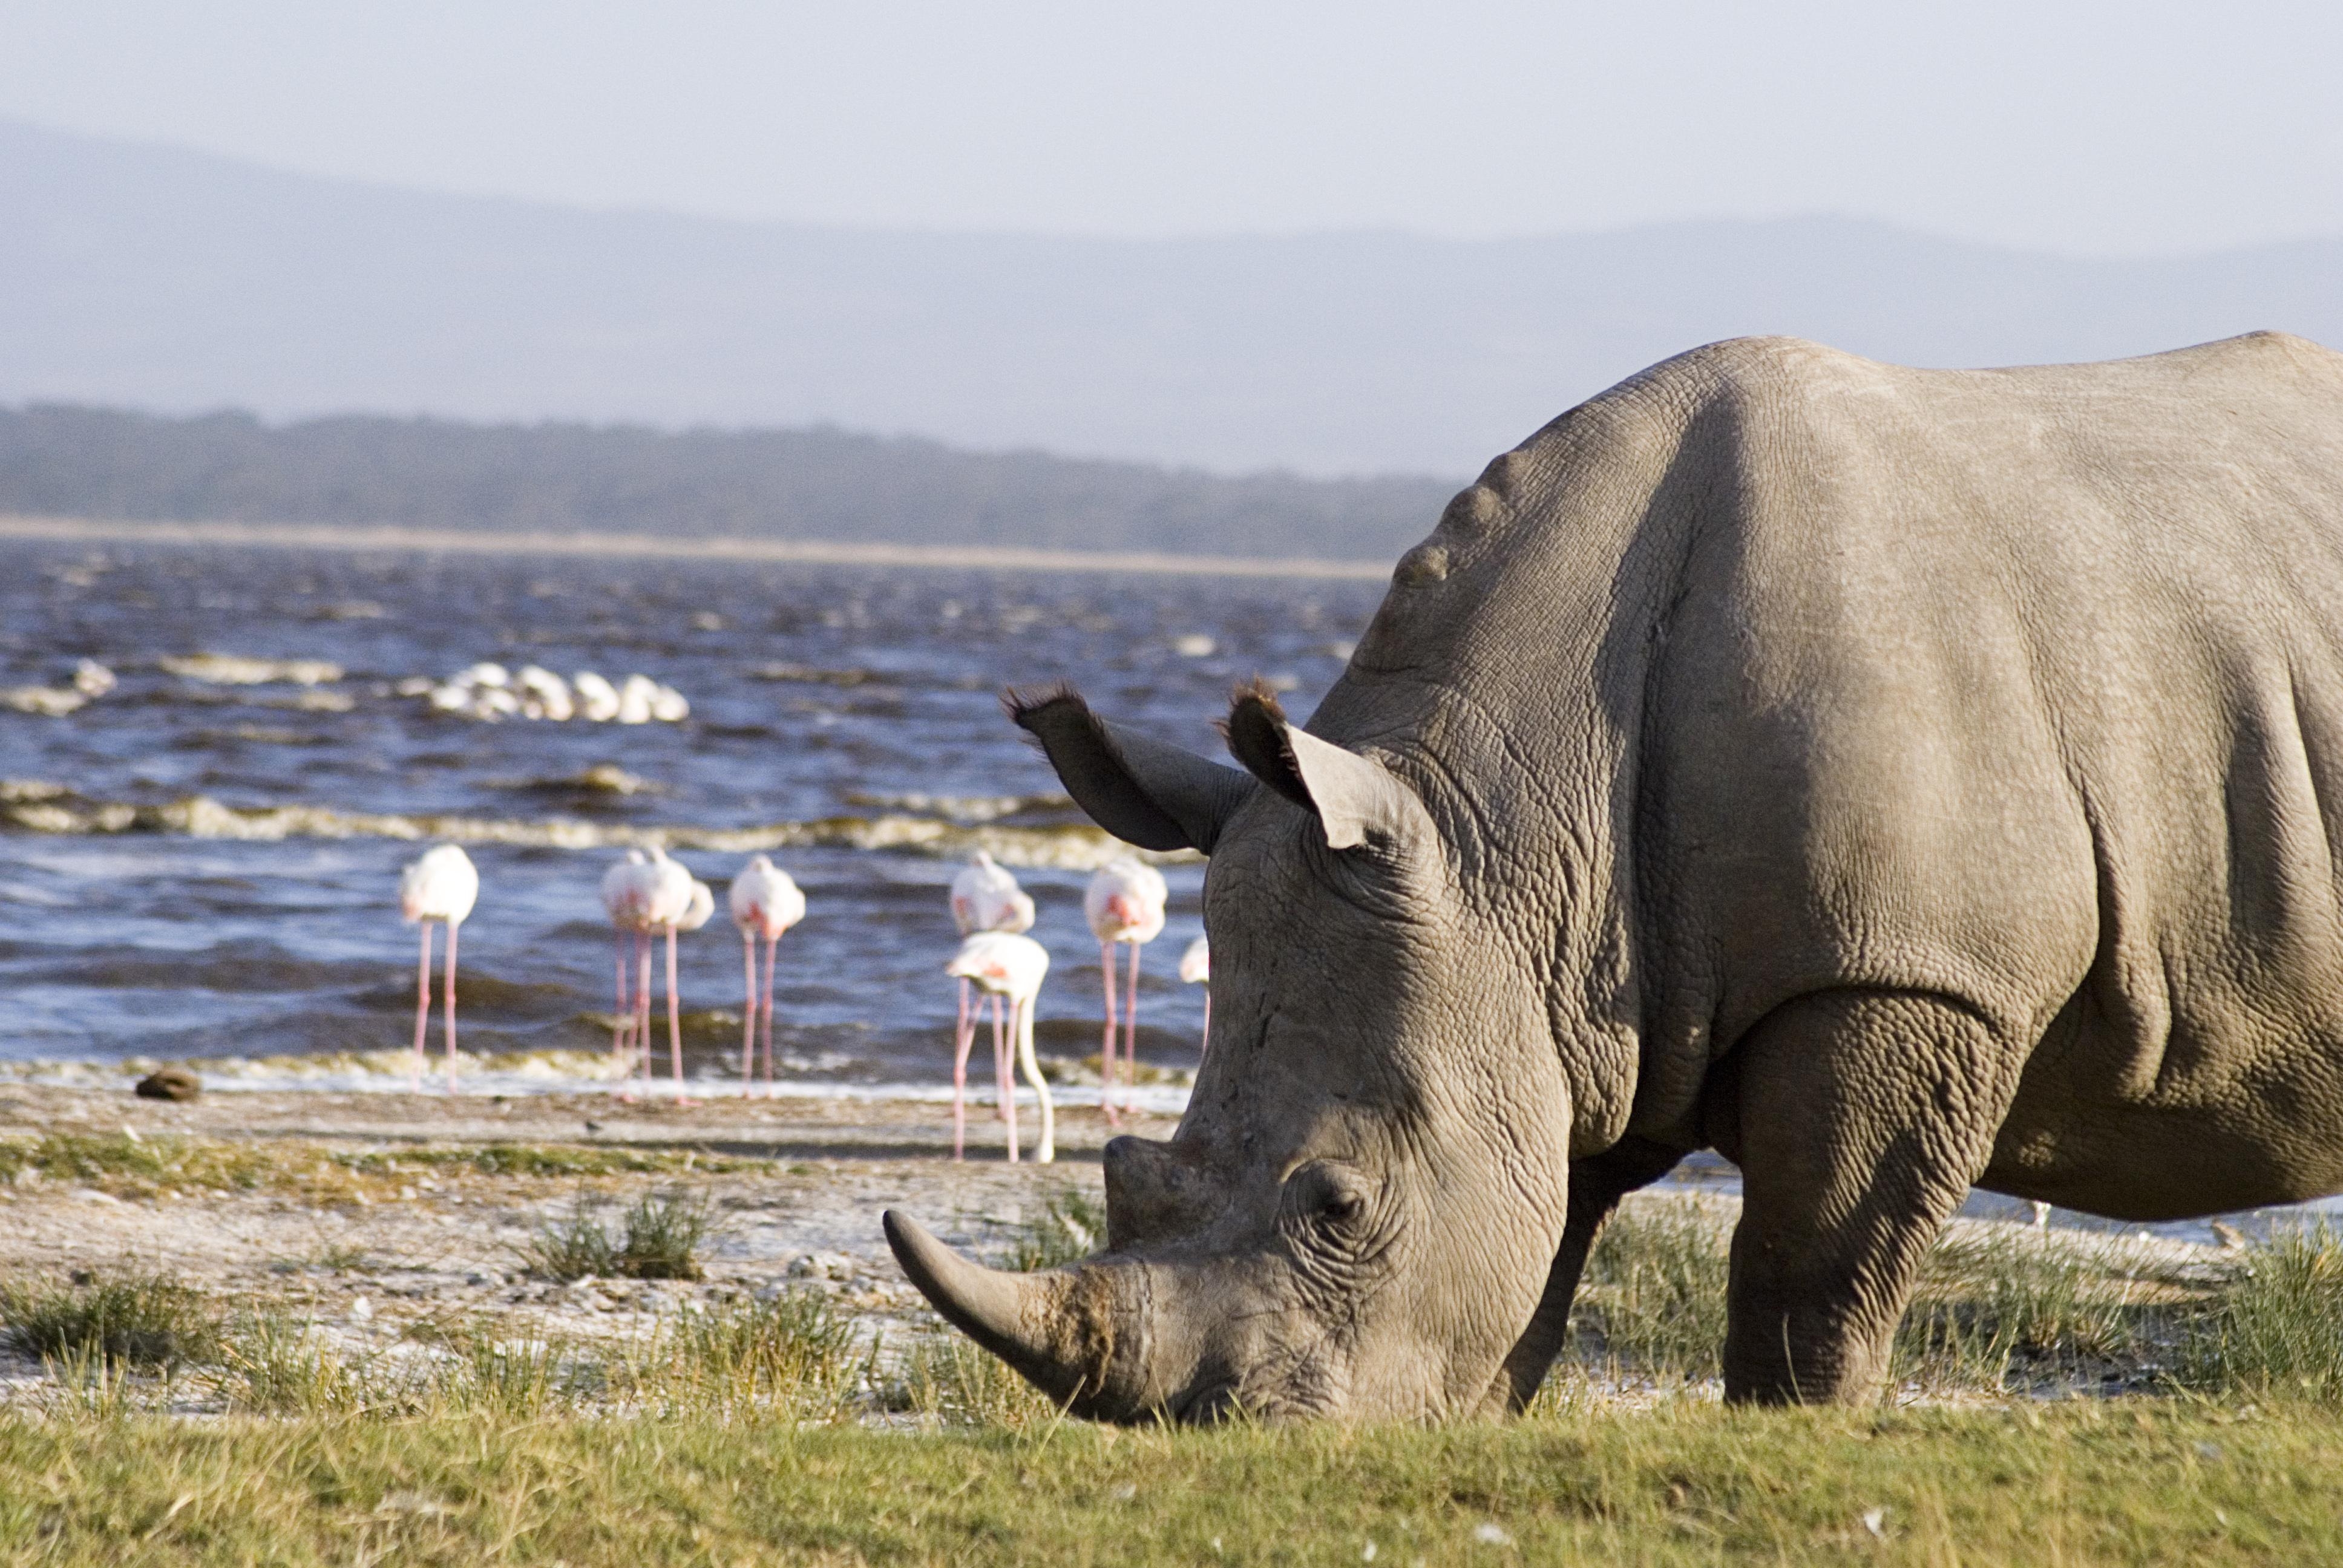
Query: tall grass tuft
2275	1330
136	1320
948	1379
279	1365
1991	1302
798	1355
1069	1226
658	1238
1653	1295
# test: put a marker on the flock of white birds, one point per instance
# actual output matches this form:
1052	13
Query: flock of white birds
649	896
490	691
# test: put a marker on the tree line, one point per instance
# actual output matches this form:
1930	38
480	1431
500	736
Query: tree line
62	460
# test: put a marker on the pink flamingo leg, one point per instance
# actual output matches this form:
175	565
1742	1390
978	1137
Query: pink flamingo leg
748	1016
1106	1050
765	1010
674	1023
963	1037
622	1009
451	1007
422	1005
1130	1033
643	1004
1009	1099
1004	1082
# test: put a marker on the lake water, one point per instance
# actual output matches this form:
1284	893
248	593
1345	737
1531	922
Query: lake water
203	866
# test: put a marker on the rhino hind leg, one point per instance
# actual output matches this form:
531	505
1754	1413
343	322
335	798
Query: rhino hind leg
1861	1118
1597	1185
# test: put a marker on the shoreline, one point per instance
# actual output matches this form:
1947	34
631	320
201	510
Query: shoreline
355	540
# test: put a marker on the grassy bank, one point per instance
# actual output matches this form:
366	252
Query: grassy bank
2193	1409
2083	1482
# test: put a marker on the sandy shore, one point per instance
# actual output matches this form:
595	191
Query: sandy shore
797	1188
810	552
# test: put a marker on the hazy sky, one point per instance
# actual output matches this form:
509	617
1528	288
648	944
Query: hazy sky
2145	124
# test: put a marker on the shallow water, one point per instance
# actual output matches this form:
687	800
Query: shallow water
200	868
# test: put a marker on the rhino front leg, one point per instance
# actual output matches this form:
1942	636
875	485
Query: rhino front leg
1861	1119
1597	1185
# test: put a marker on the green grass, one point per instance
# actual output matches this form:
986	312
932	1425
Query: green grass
658	1238
147	1162
1995	1308
2081	1484
131	1319
150	1164
2275	1329
734	1431
1069	1224
1653	1295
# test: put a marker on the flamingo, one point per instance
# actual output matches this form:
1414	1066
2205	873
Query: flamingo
1005	964
984	898
677	897
1124	903
443	885
1196	969
627	889
765	903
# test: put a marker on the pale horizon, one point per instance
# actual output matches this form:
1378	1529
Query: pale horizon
2075	129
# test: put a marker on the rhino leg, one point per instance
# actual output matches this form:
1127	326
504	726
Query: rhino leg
1597	1185
1861	1118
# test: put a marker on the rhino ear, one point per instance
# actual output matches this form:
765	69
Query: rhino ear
1142	792
1354	798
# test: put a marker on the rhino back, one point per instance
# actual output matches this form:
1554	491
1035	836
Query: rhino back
1776	669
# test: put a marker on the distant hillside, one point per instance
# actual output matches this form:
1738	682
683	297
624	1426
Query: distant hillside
67	461
146	278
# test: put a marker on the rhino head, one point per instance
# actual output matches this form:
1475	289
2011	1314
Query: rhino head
1358	1212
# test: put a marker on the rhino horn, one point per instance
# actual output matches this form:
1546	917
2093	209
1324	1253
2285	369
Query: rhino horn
1142	792
1063	1329
1354	798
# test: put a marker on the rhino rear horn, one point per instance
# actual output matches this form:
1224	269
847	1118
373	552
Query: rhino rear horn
1142	792
1354	798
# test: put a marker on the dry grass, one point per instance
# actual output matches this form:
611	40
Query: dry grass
658	1238
132	1320
148	1166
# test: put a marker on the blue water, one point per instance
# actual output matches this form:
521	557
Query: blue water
830	706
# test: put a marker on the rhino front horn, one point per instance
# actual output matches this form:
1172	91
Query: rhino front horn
1057	1328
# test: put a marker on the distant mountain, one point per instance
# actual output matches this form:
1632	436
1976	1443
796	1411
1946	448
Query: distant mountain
64	461
164	279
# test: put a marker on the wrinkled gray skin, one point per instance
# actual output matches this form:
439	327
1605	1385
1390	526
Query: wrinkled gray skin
1894	780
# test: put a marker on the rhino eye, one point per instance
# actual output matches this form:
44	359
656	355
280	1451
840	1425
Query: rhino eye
1328	1193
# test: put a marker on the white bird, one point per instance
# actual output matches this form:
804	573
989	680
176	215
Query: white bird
597	699
1004	964
443	885
543	694
1196	969
1124	903
482	674
765	903
985	896
668	705
635	699
627	889
672	903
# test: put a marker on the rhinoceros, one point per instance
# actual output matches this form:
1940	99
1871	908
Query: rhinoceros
1896	780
